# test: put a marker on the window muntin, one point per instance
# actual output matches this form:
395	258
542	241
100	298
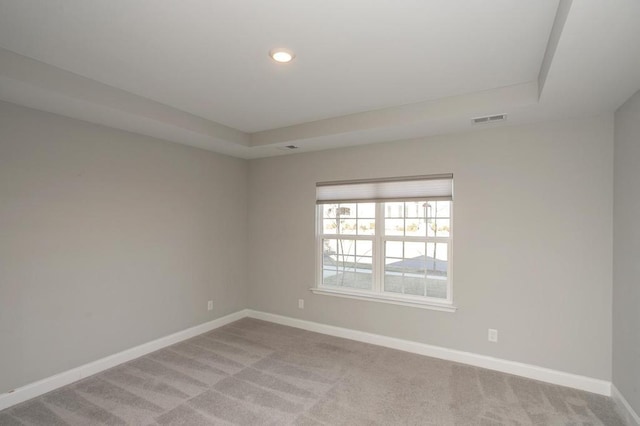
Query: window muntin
399	249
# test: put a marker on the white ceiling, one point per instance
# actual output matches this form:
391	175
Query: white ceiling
197	71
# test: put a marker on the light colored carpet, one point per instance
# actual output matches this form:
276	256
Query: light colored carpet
252	372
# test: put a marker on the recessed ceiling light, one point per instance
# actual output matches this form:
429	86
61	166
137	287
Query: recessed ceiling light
282	55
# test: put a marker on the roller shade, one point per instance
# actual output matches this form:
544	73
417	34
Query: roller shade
431	187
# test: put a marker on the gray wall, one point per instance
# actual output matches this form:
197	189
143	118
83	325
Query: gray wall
532	241
109	240
626	252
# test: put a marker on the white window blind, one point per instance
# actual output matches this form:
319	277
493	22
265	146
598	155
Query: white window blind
431	187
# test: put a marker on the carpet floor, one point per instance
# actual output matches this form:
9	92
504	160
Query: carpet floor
253	372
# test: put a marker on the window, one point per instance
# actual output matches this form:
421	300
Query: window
387	240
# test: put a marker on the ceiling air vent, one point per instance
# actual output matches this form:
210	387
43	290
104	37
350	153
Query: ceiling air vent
288	147
489	119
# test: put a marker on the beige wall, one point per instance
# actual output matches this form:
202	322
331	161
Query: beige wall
109	240
626	253
532	241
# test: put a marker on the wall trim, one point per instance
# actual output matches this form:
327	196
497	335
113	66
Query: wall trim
624	408
48	384
543	374
588	384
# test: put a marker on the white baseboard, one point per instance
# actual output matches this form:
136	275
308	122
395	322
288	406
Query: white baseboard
40	387
588	384
625	409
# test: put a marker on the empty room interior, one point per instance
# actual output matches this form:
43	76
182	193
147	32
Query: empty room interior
218	212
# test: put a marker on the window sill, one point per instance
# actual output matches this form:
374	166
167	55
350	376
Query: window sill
403	301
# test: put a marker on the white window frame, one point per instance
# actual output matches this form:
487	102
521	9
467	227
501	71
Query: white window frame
377	293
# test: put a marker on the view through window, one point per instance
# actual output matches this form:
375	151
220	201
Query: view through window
401	248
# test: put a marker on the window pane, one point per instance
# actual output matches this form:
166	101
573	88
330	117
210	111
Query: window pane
437	288
393	262
329	226
393	209
347	279
342	267
394	249
414	251
394	227
367	210
365	264
442	227
419	218
348	262
343	215
443	209
415	227
415	209
364	248
346	247
366	226
437	258
330	247
348	226
414	285
431	227
329	210
347	211
349	219
416	268
431	207
393	282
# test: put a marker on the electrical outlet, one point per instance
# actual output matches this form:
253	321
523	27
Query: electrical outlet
300	303
210	305
493	335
